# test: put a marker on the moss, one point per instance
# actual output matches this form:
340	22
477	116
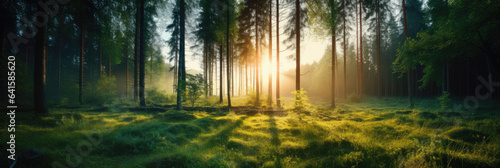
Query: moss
467	135
173	116
426	115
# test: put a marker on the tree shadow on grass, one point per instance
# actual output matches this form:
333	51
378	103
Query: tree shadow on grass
275	141
223	136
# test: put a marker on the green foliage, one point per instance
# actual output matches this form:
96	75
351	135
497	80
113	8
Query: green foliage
251	97
458	28
301	100
156	96
445	100
194	88
103	92
354	98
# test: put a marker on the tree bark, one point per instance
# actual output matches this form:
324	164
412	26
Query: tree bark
297	43
100	56
378	50
334	59
345	54
278	101
80	86
182	61
270	84
40	72
136	52
126	71
142	57
257	97
410	97
227	59
221	59
361	48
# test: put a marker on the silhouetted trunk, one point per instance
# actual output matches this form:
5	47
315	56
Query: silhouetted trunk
136	52
126	71
334	59
220	75
59	71
357	50
278	102
227	59
80	86
297	43
378	50
40	72
257	97
100	56
361	48
270	85
182	61
345	56
410	97
109	66
90	68
151	67
176	73
142	57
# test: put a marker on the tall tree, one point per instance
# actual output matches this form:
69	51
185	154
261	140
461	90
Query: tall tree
278	102
361	48
270	85
173	42
410	97
137	50
142	56
40	70
182	63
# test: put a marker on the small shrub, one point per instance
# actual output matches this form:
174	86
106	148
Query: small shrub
445	101
251	98
155	96
103	92
354	98
301	100
195	87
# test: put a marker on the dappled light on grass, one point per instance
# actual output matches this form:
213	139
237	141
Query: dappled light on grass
365	134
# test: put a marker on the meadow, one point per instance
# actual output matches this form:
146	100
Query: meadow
372	133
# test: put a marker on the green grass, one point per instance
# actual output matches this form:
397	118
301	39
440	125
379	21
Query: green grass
371	133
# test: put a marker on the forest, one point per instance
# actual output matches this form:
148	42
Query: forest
250	83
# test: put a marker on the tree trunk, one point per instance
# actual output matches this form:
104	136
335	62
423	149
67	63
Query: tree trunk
221	59
361	48
410	97
142	57
227	59
80	86
278	102
109	66
126	71
378	50
357	51
345	55
100	56
59	71
334	59
297	43
40	72
257	97
270	84
182	61
176	73
136	52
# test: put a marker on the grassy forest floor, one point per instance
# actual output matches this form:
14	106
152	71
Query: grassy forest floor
372	133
